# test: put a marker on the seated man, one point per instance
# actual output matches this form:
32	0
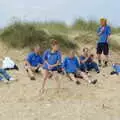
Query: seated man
87	62
33	62
71	67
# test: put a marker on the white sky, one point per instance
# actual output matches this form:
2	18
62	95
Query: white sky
62	10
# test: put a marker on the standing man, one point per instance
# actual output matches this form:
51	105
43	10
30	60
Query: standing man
104	32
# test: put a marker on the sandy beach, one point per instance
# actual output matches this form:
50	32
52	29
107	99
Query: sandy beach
21	100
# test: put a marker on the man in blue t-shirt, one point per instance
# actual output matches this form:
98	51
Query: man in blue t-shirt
104	32
33	62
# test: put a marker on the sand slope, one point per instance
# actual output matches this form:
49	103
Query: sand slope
21	100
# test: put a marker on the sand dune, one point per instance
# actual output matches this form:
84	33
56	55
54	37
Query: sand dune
21	100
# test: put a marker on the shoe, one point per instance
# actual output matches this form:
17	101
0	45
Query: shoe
98	72
113	73
33	78
94	82
78	82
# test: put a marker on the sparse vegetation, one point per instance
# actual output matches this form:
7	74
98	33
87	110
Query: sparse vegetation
26	34
22	35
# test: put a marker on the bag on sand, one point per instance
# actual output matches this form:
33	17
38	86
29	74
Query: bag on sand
9	64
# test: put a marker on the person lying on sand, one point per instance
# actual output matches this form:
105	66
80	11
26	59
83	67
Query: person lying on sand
34	62
71	66
52	63
4	74
116	69
87	62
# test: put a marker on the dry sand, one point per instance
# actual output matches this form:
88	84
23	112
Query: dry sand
21	100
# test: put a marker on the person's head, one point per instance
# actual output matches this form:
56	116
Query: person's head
55	45
71	54
37	49
91	55
103	22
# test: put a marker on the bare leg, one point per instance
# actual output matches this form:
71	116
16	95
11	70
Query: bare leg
106	60
99	59
57	79
30	73
85	77
46	74
72	78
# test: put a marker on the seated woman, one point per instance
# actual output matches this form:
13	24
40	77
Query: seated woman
71	67
52	64
116	69
33	62
87	62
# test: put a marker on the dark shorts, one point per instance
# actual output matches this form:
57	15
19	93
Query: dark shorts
103	48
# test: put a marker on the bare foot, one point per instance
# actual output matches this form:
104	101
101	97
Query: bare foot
42	90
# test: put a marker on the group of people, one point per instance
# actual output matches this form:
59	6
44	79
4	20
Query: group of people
73	66
52	64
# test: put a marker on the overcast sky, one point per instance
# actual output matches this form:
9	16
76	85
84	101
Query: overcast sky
62	10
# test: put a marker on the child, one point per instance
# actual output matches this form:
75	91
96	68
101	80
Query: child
71	66
87	62
52	63
6	75
116	69
33	62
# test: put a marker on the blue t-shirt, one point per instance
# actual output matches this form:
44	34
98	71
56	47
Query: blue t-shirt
103	37
34	59
52	59
71	65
